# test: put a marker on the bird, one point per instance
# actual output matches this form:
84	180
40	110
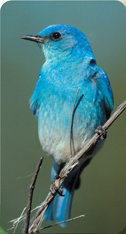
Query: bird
69	66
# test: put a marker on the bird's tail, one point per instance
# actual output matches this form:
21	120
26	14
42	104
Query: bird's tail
59	209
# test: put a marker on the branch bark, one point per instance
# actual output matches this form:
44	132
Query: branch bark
72	163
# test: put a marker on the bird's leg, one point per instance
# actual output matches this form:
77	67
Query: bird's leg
55	183
102	132
55	186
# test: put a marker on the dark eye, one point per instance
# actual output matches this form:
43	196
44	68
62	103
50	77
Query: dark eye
56	35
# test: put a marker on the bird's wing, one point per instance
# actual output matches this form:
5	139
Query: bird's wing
106	90
35	100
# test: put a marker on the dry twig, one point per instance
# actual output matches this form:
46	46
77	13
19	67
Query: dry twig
72	163
71	127
32	186
68	220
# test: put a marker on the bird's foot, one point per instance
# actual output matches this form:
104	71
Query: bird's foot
55	186
102	132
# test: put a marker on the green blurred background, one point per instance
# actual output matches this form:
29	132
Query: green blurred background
102	196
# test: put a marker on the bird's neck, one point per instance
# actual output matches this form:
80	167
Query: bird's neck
77	54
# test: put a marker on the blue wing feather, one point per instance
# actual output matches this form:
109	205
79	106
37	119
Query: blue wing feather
105	88
35	98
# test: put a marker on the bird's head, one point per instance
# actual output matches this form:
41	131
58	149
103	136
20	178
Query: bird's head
59	41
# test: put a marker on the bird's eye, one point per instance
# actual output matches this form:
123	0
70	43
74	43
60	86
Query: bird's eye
56	35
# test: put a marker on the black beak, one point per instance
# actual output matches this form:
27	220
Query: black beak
36	38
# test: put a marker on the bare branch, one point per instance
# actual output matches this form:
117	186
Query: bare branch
32	186
74	161
68	220
71	127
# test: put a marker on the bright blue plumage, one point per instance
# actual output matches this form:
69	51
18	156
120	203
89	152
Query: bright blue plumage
70	64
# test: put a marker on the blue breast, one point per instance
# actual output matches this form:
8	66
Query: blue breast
53	102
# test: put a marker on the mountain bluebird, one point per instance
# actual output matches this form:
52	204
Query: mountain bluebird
69	65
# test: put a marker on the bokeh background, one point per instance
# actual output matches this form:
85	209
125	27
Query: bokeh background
102	196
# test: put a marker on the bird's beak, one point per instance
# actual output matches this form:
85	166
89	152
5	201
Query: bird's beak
36	38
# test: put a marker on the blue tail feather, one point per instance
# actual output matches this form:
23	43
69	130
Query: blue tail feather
59	209
62	207
48	214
